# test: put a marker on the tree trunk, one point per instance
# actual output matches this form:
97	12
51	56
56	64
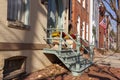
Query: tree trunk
118	36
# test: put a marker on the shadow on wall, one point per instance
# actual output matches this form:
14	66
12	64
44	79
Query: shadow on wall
36	9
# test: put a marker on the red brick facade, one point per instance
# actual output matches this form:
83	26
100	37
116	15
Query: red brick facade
103	33
83	13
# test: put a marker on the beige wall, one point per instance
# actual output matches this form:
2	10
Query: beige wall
35	59
38	21
3	8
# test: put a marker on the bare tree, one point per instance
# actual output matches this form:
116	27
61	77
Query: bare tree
115	6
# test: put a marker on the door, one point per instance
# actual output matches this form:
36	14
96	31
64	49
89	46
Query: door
55	11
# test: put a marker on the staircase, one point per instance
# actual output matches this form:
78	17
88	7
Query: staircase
72	58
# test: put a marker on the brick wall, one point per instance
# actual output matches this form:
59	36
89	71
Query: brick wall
78	10
101	34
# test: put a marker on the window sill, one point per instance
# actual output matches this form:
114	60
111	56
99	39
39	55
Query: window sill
18	25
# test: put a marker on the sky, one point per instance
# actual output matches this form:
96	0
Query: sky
113	23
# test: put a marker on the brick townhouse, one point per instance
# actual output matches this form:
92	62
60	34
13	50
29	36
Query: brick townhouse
80	18
103	29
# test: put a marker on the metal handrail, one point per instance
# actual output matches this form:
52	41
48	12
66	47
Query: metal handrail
90	51
71	38
62	40
86	41
74	42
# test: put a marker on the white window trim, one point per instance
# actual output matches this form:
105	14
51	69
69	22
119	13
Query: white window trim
87	36
83	30
83	3
79	1
78	26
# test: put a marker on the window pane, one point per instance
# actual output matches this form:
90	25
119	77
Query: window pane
14	10
84	3
79	1
83	30
87	32
78	26
18	12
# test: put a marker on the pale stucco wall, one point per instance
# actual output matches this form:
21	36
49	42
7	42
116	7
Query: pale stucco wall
65	15
38	20
35	59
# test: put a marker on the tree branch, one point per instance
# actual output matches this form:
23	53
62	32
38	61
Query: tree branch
111	15
118	4
114	2
112	6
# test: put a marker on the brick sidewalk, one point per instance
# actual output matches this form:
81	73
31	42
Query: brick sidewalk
108	58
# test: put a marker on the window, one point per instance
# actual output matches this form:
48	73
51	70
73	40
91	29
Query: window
18	14
70	9
87	32
78	26
79	1
83	3
87	6
83	30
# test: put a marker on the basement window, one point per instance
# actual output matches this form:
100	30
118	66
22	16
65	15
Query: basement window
18	14
14	66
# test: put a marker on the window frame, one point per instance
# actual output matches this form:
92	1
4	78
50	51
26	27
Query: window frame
84	3
78	26
83	30
79	1
87	32
22	14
